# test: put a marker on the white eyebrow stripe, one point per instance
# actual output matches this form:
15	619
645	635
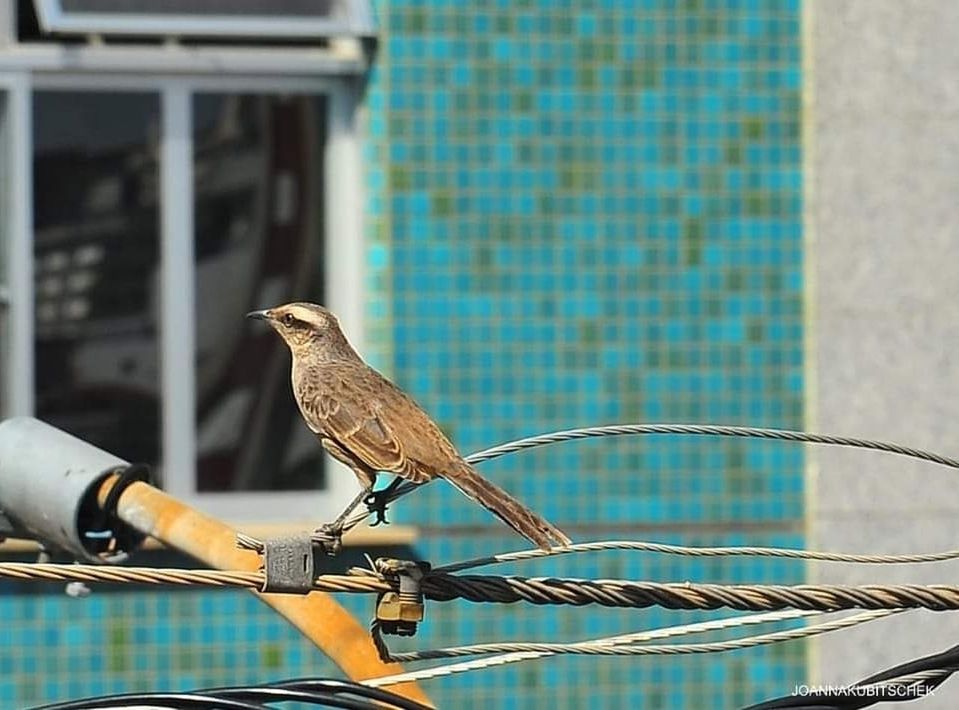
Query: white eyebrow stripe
304	314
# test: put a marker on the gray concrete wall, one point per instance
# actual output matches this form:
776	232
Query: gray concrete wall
883	174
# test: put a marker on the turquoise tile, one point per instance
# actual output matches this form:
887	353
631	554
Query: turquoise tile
626	193
577	213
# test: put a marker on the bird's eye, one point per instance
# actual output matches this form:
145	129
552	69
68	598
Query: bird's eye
289	320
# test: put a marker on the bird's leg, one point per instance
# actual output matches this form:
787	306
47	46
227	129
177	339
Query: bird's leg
376	501
334	530
360	497
367	478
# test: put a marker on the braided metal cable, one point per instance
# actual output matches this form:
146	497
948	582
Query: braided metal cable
37	571
698	552
894	687
539	650
913	679
640	650
538	590
711	430
248	542
325	692
742	432
745	597
49	572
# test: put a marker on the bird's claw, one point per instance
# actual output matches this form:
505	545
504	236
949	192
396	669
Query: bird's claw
376	503
330	537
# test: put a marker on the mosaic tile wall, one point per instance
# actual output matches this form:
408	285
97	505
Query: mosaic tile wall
55	648
591	216
585	213
579	213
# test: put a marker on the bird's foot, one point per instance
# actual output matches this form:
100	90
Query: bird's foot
376	503
330	537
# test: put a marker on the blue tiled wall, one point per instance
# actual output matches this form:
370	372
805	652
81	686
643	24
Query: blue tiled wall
56	648
579	213
585	213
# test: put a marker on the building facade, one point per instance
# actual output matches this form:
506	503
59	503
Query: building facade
534	215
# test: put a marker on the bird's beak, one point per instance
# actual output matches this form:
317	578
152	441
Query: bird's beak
259	315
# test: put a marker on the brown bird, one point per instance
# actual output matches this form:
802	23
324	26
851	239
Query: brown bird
371	425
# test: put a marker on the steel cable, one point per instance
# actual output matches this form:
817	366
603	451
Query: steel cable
699	552
540	590
590	648
741	432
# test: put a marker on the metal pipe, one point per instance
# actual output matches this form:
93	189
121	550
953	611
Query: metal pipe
48	486
53	486
317	615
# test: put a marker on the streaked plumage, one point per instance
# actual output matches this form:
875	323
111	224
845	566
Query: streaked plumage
371	425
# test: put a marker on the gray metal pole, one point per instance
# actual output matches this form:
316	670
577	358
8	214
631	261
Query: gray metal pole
48	487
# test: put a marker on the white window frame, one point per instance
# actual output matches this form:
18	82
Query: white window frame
348	18
343	234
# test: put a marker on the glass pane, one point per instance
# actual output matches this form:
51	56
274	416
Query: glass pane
5	216
5	167
96	248
258	171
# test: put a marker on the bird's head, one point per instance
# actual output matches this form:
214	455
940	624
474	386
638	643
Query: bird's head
303	325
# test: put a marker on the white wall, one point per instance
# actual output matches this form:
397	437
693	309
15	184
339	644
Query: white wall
883	173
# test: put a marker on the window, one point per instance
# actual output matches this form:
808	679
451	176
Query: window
258	188
96	248
4	240
148	212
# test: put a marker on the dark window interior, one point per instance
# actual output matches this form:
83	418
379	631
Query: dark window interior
258	169
96	247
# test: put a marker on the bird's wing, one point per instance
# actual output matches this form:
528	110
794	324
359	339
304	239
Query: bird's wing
358	428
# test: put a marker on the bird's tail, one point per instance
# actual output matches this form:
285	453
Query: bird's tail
533	527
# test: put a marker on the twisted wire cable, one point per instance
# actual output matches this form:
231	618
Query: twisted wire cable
129	575
672	595
539	650
906	681
863	694
913	679
643	650
248	542
711	430
539	590
157	701
881	599
698	552
682	430
323	692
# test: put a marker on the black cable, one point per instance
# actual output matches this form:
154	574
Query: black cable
107	515
339	686
267	694
944	660
325	692
172	701
849	699
129	474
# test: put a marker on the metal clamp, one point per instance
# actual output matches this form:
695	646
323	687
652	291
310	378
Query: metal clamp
288	564
398	613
